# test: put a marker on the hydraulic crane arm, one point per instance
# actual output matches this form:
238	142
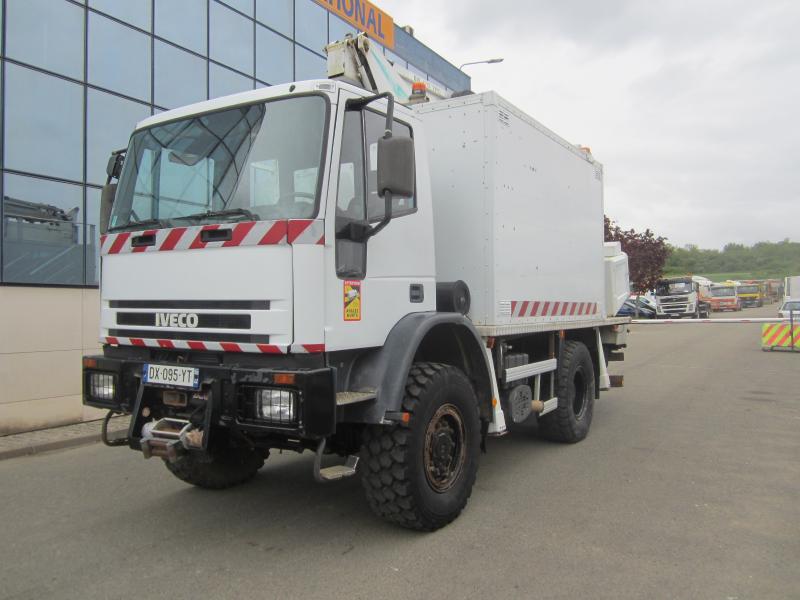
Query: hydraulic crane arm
360	61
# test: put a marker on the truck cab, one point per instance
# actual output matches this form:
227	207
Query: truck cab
751	294
680	297
723	297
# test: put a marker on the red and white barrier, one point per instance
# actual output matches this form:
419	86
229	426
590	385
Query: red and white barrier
698	321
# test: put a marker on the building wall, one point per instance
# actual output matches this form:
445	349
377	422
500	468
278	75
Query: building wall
44	332
75	77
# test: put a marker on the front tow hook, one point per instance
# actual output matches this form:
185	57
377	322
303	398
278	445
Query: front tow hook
169	438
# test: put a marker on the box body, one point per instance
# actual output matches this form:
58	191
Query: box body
618	287
518	213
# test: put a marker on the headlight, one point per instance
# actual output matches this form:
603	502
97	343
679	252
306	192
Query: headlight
276	405
101	386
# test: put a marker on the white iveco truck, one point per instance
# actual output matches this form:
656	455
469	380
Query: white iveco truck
316	266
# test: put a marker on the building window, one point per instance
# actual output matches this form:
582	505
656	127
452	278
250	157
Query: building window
111	120
92	249
231	39
308	65
278	14
225	82
119	58
39	139
243	6
274	57
135	12
42	231
180	77
46	34
184	22
339	29
311	25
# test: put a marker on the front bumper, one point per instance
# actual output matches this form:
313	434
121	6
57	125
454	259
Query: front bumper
226	392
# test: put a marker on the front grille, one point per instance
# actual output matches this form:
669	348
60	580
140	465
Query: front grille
189	335
204	320
671	300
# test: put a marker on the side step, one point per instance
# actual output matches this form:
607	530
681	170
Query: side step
335	472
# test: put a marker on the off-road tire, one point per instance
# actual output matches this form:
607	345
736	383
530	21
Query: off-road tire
575	389
396	482
223	469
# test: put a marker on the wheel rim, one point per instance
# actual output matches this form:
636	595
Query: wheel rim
579	393
444	452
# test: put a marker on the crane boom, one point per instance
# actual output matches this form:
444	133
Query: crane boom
358	61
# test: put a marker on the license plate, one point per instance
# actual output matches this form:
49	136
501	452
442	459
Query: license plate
186	377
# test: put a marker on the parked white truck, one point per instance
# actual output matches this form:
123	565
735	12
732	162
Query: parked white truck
312	266
679	297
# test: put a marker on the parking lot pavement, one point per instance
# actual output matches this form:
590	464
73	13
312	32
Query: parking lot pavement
687	487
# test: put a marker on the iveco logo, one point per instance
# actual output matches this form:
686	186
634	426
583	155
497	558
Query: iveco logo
176	320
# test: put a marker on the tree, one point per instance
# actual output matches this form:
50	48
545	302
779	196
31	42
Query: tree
647	254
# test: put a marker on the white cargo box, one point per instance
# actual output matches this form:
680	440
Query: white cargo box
518	214
618	287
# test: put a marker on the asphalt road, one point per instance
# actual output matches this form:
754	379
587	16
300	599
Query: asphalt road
688	486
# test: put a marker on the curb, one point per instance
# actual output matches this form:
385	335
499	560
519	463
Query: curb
59	439
48	446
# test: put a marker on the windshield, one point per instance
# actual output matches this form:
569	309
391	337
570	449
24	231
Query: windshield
723	292
676	287
254	162
791	306
748	289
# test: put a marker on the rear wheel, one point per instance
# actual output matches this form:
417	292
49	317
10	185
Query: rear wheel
420	474
223	468
572	418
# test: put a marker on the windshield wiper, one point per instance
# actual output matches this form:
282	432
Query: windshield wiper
162	223
240	212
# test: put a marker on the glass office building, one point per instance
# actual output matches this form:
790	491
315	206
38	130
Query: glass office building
75	77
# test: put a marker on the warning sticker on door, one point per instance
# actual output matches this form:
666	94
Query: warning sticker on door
352	300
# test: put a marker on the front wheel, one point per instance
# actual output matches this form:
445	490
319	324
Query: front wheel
420	474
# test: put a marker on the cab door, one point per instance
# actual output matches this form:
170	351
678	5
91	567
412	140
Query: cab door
372	285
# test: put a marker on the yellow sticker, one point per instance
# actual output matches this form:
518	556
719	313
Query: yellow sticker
352	300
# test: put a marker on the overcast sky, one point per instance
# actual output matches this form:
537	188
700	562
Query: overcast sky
693	107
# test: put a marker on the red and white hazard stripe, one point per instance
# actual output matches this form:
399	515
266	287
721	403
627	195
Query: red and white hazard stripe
215	346
306	231
550	308
307	348
197	345
247	233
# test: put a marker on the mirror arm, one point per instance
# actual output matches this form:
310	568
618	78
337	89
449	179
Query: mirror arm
387	214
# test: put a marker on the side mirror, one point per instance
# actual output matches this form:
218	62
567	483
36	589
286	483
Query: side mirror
396	166
114	165
106	202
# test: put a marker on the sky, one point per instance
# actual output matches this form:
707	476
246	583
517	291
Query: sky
693	107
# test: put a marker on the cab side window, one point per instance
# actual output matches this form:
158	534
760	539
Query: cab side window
350	204
357	199
350	195
375	126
